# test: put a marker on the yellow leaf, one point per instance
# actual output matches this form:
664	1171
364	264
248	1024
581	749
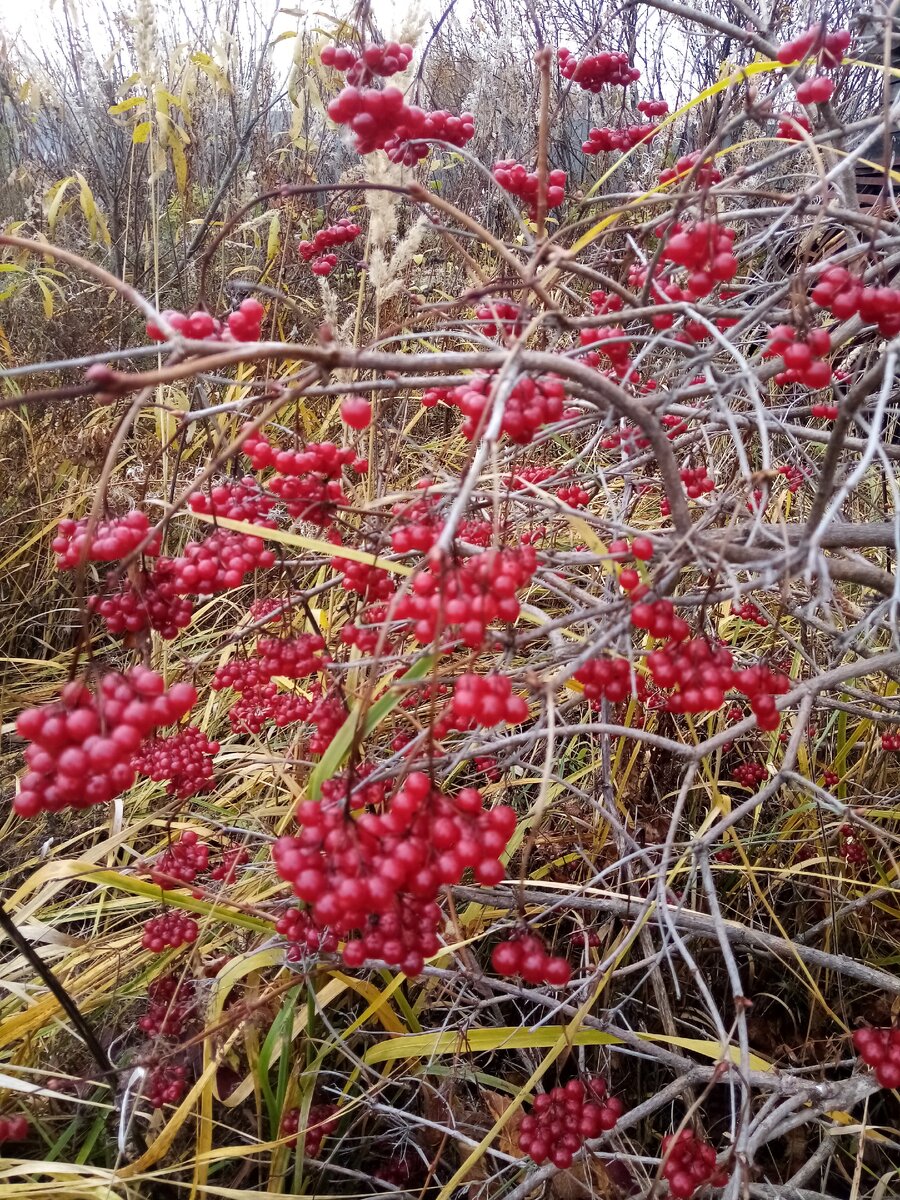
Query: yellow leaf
126	105
179	164
273	245
48	297
141	132
58	194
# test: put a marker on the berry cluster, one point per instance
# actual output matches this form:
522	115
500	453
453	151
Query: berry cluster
116	538
594	72
610	342
468	597
385	60
817	90
605	302
169	931
609	679
850	847
524	184
792	126
369	632
365	579
81	744
705	249
184	760
291	658
241	501
705	176
380	874
604	139
689	1164
327	712
165	1084
500	316
795	477
308	480
220	562
418	526
804	357
340	234
660	620
574	495
243	325
702	673
233	858
890	741
749	774
653	108
560	1120
830	47
171	1004
181	862
320	1124
382	120
529	406
149	600
844	296
13	1129
297	927
526	955
748	611
486	700
880	1048
697	481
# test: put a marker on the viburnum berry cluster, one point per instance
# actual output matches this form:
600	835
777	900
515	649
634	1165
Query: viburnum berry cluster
181	862
792	126
610	679
697	481
297	927
379	874
562	1119
748	611
700	672
365	579
184	760
382	120
749	774
169	931
291	658
702	172
445	597
115	538
144	600
165	1084
520	182
171	1004
603	139
341	233
817	90
14	1129
609	342
81	744
219	563
500	316
486	700
653	108
705	249
890	741
597	70
830	47
243	325
308	481
530	405
844	295
526	955
386	59
321	1123
880	1049
803	357
689	1164
241	501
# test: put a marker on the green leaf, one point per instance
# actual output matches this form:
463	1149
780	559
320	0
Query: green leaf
339	748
